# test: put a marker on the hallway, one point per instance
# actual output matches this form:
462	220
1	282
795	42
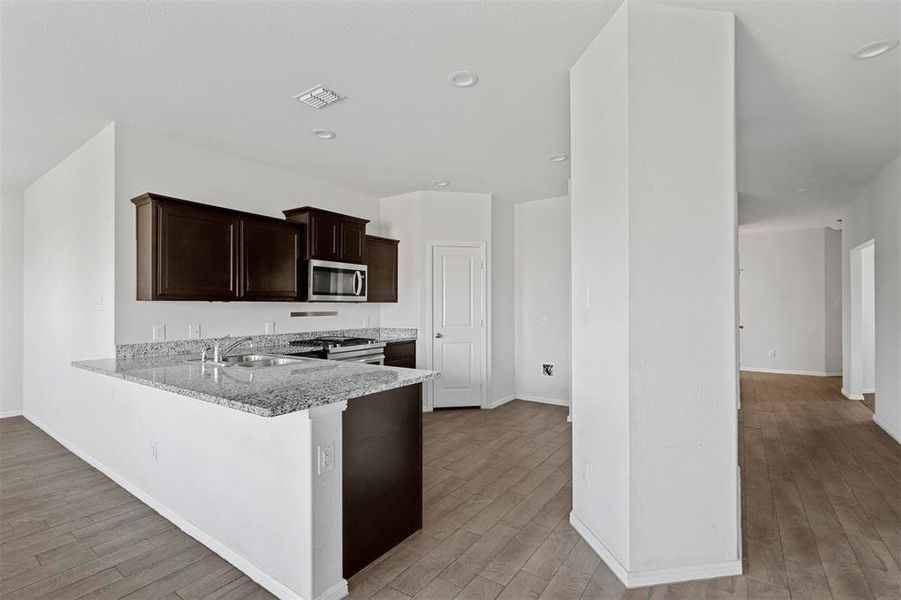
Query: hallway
821	492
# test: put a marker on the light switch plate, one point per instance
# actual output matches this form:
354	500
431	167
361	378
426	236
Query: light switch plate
159	332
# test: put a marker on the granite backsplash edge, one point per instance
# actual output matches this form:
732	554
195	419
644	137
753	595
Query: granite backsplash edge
174	347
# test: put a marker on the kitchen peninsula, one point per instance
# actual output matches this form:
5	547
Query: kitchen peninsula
283	468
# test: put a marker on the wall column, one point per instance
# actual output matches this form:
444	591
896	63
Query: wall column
655	370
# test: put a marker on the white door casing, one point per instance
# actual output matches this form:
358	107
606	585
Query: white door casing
457	324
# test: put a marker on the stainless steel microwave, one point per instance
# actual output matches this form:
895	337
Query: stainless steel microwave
330	281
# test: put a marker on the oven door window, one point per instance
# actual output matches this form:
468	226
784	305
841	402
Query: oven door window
333	281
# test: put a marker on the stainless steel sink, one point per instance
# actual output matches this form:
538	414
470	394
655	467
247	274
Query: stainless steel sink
255	361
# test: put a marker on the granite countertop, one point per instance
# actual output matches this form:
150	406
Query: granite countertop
266	391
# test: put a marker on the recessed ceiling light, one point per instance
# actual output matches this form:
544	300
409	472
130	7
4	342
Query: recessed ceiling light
558	158
801	190
463	78
874	49
838	220
441	183
324	134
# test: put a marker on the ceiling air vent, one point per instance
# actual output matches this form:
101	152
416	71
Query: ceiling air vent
318	97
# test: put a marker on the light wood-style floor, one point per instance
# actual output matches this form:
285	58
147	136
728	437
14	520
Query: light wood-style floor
869	400
67	531
821	514
821	507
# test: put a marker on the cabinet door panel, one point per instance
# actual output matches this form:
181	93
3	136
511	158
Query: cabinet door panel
353	241
197	252
382	473
408	363
381	258
270	259
325	237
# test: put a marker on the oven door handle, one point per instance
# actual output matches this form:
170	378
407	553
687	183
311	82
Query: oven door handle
374	360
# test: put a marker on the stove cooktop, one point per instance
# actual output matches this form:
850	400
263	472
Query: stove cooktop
336	341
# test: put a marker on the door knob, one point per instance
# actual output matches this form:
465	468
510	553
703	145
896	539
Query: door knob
439	335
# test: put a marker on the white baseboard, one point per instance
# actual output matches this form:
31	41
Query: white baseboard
542	399
621	572
500	402
336	592
637	579
792	372
10	413
868	391
277	588
851	396
885	428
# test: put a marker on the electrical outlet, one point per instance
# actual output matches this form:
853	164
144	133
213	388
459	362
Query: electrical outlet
159	332
270	327
154	452
544	321
194	332
772	353
586	472
365	322
98	304
326	454
547	369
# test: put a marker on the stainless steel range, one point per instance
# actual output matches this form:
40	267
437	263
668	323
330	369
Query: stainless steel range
349	349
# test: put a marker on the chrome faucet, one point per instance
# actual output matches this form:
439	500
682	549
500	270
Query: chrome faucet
219	352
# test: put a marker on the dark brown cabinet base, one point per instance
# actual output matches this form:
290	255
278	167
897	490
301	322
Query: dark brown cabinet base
382	473
401	354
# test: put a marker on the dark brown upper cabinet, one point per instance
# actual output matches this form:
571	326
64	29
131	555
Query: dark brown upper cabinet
353	241
271	252
332	236
186	251
381	260
192	251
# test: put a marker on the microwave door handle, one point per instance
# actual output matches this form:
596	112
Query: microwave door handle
358	283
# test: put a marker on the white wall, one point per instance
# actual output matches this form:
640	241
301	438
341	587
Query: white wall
599	191
654	295
12	223
146	162
69	280
415	219
502	302
868	317
875	215
833	301
786	305
543	289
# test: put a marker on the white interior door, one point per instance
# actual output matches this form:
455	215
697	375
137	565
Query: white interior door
457	322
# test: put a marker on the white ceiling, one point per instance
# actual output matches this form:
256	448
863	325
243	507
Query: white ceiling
222	75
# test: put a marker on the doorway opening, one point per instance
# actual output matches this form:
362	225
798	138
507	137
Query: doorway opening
861	384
